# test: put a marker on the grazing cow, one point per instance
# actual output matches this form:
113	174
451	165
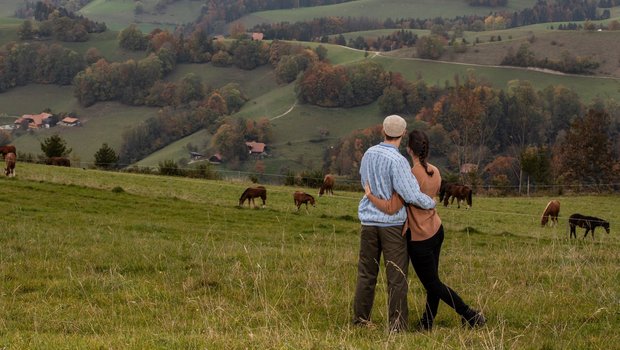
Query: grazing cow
9	160
7	149
328	185
58	161
552	210
303	198
587	222
252	192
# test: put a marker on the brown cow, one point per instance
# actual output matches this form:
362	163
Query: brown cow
58	161
9	159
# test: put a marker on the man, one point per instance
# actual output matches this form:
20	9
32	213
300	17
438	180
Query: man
386	171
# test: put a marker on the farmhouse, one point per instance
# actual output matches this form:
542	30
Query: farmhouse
69	121
215	159
469	168
257	36
255	147
35	121
196	155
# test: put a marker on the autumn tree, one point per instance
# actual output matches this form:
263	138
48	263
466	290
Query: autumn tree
26	31
586	155
190	89
234	97
536	164
392	101
131	38
430	47
469	112
229	140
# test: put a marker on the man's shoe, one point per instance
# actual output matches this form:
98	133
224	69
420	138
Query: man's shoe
424	325
364	324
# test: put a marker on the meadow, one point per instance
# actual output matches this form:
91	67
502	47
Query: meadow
378	9
95	259
119	14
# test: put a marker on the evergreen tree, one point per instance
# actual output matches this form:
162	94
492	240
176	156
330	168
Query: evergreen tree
55	146
106	157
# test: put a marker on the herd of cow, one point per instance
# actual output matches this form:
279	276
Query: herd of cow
9	153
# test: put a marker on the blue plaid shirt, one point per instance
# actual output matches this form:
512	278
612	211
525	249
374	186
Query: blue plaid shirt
386	170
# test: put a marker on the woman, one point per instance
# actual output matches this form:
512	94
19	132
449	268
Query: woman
426	237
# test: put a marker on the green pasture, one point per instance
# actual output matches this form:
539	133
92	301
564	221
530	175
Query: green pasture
177	150
439	73
96	259
102	122
379	9
253	83
8	30
8	7
119	14
107	44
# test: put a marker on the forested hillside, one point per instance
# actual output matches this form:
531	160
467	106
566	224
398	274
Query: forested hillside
494	119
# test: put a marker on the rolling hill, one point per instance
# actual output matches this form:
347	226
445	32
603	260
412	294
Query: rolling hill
297	143
379	9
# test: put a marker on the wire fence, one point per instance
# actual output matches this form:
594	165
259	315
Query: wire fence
240	178
353	184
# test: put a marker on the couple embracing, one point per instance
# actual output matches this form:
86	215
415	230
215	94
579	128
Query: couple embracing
398	218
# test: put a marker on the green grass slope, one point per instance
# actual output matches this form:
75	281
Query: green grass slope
297	143
379	9
8	7
102	122
119	14
172	263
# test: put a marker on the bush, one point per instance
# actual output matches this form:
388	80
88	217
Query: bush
169	168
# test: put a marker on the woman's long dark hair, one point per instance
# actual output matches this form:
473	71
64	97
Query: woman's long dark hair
418	143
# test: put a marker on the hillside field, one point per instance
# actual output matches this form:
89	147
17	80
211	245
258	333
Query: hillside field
96	259
296	127
379	9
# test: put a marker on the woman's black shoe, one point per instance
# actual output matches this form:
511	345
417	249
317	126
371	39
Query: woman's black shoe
473	318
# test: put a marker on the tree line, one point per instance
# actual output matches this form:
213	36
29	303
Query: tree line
544	11
26	9
216	13
26	63
56	22
549	136
568	63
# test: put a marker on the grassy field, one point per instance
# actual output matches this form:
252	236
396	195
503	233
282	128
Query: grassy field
177	150
439	73
379	9
102	122
296	133
107	44
119	14
173	263
8	7
253	83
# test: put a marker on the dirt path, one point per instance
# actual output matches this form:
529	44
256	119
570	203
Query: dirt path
285	113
